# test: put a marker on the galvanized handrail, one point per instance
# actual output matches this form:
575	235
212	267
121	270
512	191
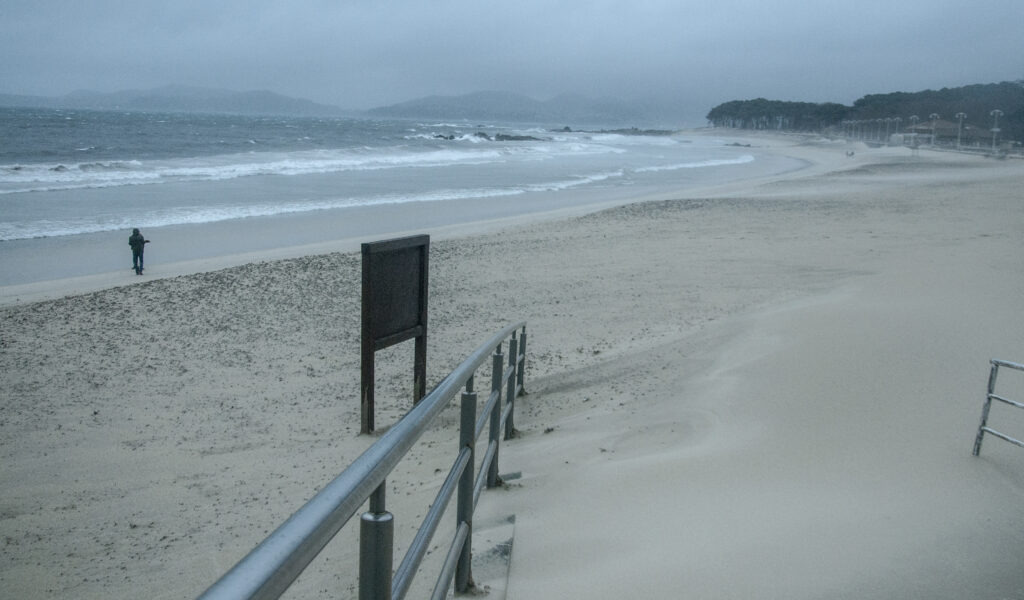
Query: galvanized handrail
270	568
983	428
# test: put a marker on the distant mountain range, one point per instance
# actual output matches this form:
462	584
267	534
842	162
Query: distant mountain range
574	110
179	98
504	106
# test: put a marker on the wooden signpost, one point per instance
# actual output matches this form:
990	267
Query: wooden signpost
394	310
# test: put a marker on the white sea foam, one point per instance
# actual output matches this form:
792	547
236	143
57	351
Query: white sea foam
746	158
405	165
185	215
17	179
555	186
620	139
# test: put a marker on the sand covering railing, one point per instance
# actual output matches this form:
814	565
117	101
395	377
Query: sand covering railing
983	428
269	569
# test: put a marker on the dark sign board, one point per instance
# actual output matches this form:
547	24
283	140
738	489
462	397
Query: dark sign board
394	309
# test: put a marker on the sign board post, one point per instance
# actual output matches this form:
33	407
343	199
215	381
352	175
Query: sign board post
394	310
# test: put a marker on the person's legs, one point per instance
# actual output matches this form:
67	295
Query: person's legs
140	262
137	262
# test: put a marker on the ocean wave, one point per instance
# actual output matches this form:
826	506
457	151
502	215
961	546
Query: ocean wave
19	179
621	139
116	165
446	125
740	160
556	186
560	161
16	179
192	215
475	138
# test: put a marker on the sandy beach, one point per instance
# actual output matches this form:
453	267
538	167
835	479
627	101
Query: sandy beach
763	389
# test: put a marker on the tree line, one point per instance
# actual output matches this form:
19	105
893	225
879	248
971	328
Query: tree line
975	101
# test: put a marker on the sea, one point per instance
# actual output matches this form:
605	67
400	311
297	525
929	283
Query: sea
92	176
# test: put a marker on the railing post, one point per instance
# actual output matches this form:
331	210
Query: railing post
497	366
988	405
464	507
376	541
270	568
510	395
521	373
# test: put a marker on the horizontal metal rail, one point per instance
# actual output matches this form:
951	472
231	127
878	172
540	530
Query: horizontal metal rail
485	415
420	543
496	396
481	478
448	569
270	568
983	428
1007	401
1003	436
1006	363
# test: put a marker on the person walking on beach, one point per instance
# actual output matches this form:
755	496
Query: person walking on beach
138	244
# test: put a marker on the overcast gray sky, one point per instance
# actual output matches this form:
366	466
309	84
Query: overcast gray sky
359	54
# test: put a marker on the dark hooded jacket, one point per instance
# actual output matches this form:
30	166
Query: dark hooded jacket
137	242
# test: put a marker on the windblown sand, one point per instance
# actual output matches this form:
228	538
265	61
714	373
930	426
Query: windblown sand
766	390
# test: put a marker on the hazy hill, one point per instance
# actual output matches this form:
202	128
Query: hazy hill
569	109
976	102
177	98
507	106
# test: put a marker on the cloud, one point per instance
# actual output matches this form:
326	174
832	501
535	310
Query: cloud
360	54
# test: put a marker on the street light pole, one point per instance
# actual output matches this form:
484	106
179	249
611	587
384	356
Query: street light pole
995	127
960	127
934	117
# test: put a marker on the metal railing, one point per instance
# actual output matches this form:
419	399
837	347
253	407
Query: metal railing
270	568
983	428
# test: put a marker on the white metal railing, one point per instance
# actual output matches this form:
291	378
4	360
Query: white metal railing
983	428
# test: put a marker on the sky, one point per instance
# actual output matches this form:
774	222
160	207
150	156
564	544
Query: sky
360	54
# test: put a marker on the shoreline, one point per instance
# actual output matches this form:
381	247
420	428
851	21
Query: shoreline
766	388
340	230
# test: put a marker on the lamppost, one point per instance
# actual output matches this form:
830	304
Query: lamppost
960	127
934	117
888	121
913	128
995	127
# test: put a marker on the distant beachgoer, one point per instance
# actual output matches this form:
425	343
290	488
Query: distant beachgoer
138	244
